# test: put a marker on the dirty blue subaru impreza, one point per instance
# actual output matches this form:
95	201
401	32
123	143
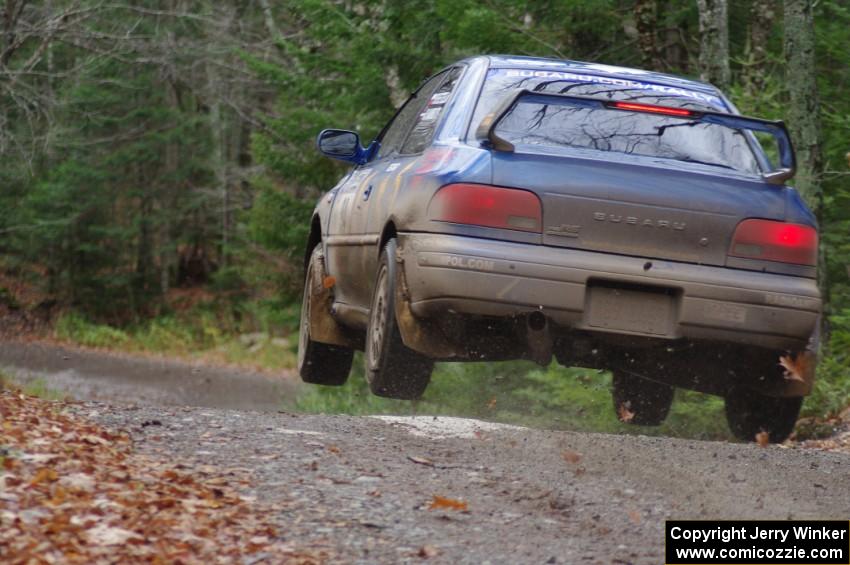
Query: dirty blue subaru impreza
524	208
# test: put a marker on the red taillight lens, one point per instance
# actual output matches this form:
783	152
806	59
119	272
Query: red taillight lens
651	109
775	241
489	206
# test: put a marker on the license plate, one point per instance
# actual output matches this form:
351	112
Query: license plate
626	310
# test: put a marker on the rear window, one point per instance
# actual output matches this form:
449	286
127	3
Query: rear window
667	137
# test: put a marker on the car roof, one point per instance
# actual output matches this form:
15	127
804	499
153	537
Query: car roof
542	63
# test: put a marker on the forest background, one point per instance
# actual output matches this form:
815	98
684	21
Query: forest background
158	163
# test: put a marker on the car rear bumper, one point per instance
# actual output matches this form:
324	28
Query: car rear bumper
608	293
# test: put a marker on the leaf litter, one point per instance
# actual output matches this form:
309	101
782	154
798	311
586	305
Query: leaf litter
443	503
75	492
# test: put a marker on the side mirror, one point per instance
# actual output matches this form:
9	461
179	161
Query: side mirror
344	145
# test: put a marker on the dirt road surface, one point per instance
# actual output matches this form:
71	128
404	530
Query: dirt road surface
362	489
96	375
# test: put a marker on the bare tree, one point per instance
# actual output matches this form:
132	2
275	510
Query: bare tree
803	111
714	42
646	21
762	16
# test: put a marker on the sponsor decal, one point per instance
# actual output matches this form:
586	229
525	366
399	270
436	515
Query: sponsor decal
430	114
613	81
469	263
538	63
785	300
439	98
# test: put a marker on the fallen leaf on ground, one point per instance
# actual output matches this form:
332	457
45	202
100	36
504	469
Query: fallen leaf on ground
100	501
492	403
441	502
94	440
44	475
571	456
79	481
107	535
427	551
763	439
421	461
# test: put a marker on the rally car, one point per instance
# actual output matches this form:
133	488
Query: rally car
525	208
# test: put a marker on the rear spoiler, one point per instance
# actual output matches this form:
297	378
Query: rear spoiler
486	132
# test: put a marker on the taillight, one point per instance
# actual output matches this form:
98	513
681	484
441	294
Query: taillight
775	241
489	206
652	109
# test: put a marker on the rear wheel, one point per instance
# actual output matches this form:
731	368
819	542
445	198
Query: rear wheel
319	363
749	413
639	401
392	369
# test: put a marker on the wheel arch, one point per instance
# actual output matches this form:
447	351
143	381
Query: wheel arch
389	232
313	239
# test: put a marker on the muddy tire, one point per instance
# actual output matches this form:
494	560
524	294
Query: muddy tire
393	370
319	363
749	413
639	401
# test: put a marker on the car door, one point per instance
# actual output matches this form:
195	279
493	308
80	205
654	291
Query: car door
398	157
344	235
348	244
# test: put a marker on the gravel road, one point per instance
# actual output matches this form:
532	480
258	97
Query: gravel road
96	375
360	488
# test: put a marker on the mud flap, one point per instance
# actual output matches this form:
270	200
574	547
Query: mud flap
420	335
323	327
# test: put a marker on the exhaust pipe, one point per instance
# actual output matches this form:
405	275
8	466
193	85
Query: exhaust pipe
536	322
539	339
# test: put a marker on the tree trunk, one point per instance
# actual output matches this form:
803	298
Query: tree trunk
803	118
646	21
762	15
673	45
268	20
803	113
714	42
168	243
217	127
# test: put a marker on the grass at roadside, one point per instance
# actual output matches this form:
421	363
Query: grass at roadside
36	387
198	335
520	393
514	392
